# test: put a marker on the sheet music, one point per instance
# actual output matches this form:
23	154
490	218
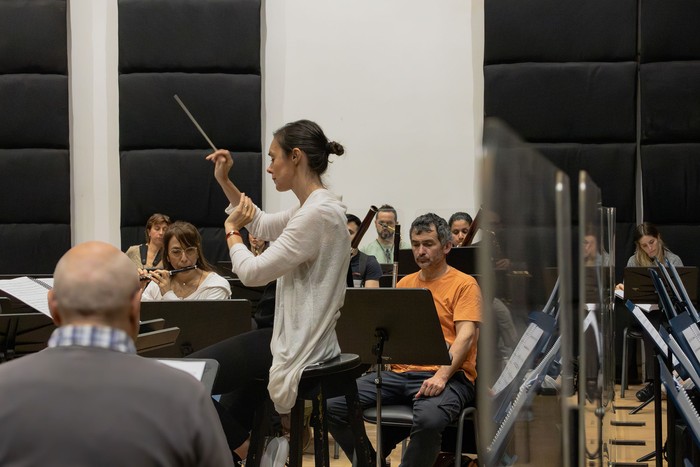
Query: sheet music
29	291
517	360
191	367
678	352
680	397
692	335
649	328
646	307
525	393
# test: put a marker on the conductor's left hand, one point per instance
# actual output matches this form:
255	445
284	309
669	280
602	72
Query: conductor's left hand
242	215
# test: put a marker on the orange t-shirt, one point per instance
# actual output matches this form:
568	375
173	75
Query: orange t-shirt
457	297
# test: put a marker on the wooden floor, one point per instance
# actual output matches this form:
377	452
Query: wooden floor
618	453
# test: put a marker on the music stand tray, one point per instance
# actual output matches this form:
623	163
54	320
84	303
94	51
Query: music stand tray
201	322
639	287
23	333
409	318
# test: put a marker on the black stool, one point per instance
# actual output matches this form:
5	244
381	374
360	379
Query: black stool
318	383
630	333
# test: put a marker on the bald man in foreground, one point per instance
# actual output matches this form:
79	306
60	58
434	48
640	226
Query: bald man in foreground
88	399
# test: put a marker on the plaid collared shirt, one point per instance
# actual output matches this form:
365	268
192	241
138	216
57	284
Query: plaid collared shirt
92	336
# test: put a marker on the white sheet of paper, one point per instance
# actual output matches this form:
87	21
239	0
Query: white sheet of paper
29	292
517	359
191	367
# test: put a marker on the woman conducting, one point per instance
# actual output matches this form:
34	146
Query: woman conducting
308	255
196	279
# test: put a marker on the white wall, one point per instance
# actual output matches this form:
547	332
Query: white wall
397	82
94	128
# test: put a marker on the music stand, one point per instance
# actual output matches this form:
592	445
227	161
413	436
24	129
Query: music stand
639	287
23	333
201	322
407	262
391	325
463	258
154	340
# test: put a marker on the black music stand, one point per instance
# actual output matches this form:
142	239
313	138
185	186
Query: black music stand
23	333
391	326
639	287
201	322
464	258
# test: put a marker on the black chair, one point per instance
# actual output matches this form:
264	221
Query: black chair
402	416
630	333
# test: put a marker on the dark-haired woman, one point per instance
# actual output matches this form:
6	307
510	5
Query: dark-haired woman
308	254
184	249
150	254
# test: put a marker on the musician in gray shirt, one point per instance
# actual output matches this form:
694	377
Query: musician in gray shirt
88	399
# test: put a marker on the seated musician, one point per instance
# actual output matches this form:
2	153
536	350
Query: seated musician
365	268
150	254
647	246
183	251
460	223
459	226
437	393
88	399
383	247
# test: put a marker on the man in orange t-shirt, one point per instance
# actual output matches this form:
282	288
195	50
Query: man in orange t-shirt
437	393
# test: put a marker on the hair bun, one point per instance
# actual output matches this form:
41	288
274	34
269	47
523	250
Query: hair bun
335	148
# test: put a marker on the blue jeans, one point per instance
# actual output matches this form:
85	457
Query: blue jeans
431	415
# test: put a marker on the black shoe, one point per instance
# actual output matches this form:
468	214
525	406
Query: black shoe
646	393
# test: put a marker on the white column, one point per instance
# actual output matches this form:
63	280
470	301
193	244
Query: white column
94	117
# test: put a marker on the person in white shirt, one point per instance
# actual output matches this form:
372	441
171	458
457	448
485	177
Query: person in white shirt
183	250
308	254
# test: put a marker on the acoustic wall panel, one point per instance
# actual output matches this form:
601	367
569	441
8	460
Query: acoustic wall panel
670	122
151	118
564	102
35	202
559	31
208	53
606	164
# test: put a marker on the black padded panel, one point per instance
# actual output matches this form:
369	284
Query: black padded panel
35	203
559	30
35	183
33	111
669	30
227	107
568	102
32	248
683	241
213	241
194	30
671	183
670	95
624	246
611	166
181	184
33	37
